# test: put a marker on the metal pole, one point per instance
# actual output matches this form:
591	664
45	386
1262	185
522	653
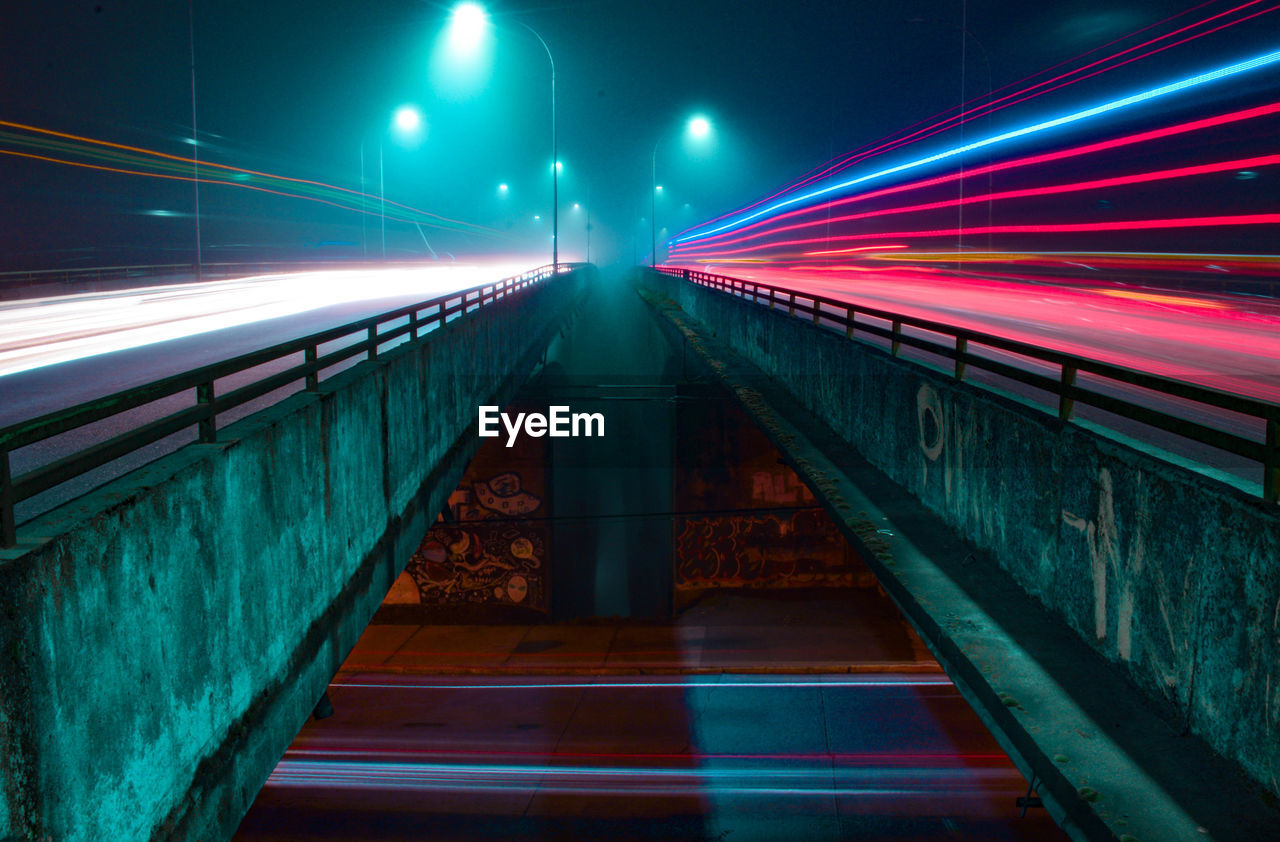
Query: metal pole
555	172
8	524
555	157
653	209
195	142
964	47
364	217
382	199
963	29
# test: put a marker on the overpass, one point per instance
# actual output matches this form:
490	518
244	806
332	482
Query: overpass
159	653
1081	589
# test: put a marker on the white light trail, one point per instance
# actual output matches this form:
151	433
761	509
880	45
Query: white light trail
45	331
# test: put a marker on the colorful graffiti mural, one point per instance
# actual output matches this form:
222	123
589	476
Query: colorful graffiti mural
762	527
486	563
802	549
490	545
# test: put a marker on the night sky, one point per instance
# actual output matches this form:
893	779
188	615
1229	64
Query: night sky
297	89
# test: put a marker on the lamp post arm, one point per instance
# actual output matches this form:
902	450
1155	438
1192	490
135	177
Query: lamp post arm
555	157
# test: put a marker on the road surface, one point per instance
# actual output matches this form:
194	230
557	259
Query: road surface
61	351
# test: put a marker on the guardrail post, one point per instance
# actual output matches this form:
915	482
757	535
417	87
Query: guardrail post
209	422
313	377
850	319
373	338
1271	463
791	303
897	338
1066	403
962	352
817	313
413	325
8	527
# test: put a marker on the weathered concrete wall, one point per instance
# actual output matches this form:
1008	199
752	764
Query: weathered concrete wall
165	637
1171	575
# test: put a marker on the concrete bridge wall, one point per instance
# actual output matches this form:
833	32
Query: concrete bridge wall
166	636
1171	575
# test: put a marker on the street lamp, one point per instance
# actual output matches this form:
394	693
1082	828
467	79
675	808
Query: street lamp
408	119
407	122
195	137
698	128
467	25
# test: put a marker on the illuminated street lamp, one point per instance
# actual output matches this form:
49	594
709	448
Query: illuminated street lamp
408	120
698	128
467	25
408	124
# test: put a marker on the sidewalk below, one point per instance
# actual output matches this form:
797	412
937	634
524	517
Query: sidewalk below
834	631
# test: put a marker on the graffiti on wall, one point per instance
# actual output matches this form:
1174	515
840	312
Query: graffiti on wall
489	547
481	564
762	527
800	549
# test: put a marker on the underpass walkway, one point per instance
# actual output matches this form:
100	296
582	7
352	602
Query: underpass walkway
809	715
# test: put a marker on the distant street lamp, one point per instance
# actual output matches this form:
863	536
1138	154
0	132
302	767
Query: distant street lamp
408	119
698	128
467	25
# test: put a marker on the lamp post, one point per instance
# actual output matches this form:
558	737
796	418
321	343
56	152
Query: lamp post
467	23
195	137
555	158
698	128
407	122
965	34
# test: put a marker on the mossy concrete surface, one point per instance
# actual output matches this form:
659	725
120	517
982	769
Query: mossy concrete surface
1166	574
165	637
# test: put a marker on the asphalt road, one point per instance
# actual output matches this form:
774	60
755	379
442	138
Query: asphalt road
766	757
1225	342
62	351
58	352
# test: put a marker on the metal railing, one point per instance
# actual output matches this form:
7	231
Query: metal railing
1065	388
376	331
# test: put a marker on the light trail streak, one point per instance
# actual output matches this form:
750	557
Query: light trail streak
1152	94
671	685
820	780
1026	95
1234	349
1060	228
241	185
1029	192
155	164
46	331
863	757
899	139
1023	162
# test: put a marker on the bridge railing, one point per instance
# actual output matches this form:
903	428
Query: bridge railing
1062	382
371	333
